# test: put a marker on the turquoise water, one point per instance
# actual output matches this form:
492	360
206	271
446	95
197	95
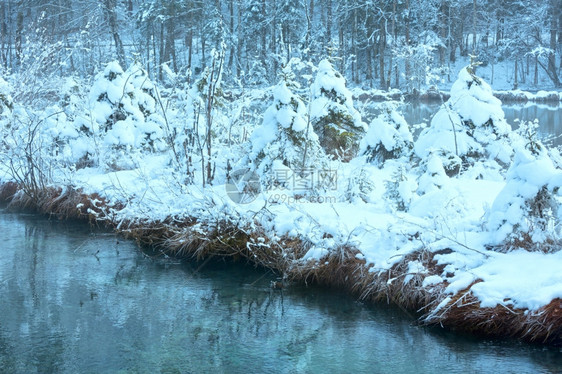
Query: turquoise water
73	300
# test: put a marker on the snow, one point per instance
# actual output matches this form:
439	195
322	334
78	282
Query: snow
526	177
432	280
521	279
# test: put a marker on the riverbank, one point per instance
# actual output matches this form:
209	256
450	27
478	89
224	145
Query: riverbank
435	95
376	256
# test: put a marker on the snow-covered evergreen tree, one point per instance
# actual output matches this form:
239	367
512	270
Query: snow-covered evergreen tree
388	137
526	212
285	142
470	125
335	120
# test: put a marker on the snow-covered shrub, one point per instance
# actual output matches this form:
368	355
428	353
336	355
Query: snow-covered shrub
6	107
359	186
58	134
526	211
123	105
401	189
388	137
285	142
6	101
77	131
257	74
470	125
433	175
335	120
33	144
204	125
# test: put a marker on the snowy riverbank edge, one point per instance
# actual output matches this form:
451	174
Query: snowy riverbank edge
443	282
506	96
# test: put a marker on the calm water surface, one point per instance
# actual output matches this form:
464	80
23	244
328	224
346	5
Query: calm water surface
77	301
549	116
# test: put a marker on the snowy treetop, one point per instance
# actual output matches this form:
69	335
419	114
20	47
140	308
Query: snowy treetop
473	99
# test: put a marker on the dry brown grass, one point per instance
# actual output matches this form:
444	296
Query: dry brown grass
543	326
193	239
7	191
341	268
62	204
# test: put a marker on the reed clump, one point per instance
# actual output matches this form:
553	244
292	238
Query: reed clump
7	191
542	326
67	203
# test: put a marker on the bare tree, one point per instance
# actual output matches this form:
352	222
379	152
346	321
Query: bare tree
114	30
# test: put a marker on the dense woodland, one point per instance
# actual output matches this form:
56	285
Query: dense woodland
381	44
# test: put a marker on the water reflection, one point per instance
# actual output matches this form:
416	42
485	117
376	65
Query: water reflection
549	116
78	301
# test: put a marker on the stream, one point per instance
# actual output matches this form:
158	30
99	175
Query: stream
79	300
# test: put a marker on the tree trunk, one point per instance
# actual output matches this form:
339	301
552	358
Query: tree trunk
114	30
354	70
264	36
240	45
203	58
161	51
169	44
516	82
231	31
189	43
395	35
329	19
19	31
382	48
309	20
474	27
3	35
407	34
536	77
551	69
369	65
443	31
343	53
560	37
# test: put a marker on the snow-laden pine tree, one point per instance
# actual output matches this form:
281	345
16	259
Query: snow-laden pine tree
333	117
471	126
388	137
285	145
123	105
